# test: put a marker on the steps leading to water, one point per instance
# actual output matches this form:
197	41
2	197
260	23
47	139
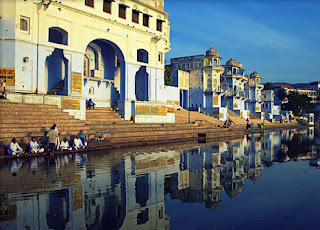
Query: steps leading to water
182	116
104	115
23	121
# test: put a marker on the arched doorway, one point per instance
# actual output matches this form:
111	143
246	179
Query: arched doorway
141	84
104	71
57	72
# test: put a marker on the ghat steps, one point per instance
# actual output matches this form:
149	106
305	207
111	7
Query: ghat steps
182	116
104	115
23	121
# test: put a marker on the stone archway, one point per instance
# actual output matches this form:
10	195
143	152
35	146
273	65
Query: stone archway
104	65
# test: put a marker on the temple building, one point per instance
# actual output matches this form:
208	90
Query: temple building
233	84
110	51
253	90
204	78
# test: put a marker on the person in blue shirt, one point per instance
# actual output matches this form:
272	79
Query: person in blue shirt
83	137
90	104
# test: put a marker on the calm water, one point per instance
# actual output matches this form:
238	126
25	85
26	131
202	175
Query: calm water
257	182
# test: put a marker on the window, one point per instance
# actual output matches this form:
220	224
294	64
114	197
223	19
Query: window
159	25
135	16
107	6
146	20
142	56
160	57
122	11
58	35
89	3
24	24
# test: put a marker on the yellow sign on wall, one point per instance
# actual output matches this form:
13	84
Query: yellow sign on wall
155	110
215	100
221	115
257	108
76	82
172	102
143	109
8	75
171	110
235	106
163	110
70	103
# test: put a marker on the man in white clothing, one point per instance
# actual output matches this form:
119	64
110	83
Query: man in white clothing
77	143
14	148
65	145
35	147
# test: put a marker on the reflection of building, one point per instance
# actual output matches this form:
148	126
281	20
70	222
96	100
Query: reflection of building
130	193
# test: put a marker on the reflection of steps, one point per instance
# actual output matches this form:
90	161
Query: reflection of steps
104	116
22	121
57	89
182	117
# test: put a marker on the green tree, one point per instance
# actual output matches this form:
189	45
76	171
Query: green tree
268	86
298	103
281	94
168	79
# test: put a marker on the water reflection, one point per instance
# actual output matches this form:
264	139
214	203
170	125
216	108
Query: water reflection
127	190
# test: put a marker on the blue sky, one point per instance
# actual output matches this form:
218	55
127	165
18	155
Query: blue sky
278	39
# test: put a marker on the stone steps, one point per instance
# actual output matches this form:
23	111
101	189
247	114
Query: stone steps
182	116
148	133
22	121
104	115
139	127
70	128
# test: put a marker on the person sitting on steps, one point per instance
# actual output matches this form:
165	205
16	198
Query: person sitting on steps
83	137
90	104
34	146
3	88
77	143
65	145
14	148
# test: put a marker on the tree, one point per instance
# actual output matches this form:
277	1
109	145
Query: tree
281	94
268	86
298	103
168	79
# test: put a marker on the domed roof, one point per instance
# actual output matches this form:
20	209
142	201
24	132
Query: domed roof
255	75
213	52
235	63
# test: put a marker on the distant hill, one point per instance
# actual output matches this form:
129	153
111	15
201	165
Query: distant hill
295	85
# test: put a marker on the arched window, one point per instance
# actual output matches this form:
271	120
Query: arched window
58	35
142	56
215	63
234	71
